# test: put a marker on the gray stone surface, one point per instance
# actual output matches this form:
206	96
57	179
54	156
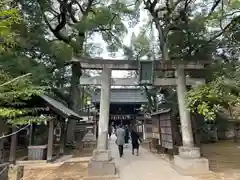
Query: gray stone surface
190	166
189	152
89	136
146	166
102	155
101	168
101	177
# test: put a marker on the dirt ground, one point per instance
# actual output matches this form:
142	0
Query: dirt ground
68	171
224	160
223	156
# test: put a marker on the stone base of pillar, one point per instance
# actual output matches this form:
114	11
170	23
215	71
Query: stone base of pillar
101	165
15	172
189	162
112	177
102	155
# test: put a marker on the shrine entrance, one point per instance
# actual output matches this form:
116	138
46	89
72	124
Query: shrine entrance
188	160
124	105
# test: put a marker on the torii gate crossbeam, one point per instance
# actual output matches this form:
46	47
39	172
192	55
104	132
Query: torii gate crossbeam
122	64
134	81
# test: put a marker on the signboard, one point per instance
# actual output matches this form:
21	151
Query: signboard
121	117
166	131
146	72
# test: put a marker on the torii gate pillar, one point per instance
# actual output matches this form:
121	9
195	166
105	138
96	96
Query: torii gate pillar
101	164
102	144
189	160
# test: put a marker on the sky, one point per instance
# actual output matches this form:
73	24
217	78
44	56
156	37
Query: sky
127	39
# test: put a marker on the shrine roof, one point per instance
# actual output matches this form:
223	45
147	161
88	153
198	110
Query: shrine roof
60	107
123	96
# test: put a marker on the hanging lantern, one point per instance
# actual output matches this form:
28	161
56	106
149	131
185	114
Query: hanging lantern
146	72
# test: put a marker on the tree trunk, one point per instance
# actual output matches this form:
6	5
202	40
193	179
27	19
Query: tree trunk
162	40
74	98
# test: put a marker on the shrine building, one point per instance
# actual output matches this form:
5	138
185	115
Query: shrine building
125	105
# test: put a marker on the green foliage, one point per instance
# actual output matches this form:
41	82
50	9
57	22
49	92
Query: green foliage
14	93
139	48
222	93
9	17
196	30
104	18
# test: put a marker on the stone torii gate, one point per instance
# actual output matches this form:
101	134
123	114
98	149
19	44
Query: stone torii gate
189	160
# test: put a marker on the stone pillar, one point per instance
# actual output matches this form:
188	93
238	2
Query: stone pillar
104	109
101	164
185	118
189	160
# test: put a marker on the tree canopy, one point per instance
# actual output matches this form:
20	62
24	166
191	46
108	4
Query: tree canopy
14	94
8	16
48	36
189	31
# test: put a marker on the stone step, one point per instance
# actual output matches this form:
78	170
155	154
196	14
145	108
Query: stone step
112	177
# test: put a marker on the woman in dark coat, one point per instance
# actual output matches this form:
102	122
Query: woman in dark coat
126	136
135	141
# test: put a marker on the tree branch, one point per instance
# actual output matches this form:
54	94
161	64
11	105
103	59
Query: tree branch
15	79
228	26
215	5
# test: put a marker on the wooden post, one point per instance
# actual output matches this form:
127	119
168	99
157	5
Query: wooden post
50	140
62	140
1	151
13	147
30	135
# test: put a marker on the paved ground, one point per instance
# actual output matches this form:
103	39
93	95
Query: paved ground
146	166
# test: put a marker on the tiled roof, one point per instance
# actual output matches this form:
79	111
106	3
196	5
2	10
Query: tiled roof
122	95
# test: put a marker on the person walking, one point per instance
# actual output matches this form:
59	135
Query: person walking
110	131
126	139
135	141
120	133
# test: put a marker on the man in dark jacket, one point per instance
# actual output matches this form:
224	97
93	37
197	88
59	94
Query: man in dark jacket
126	136
110	131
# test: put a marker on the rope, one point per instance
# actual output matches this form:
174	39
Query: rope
11	134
